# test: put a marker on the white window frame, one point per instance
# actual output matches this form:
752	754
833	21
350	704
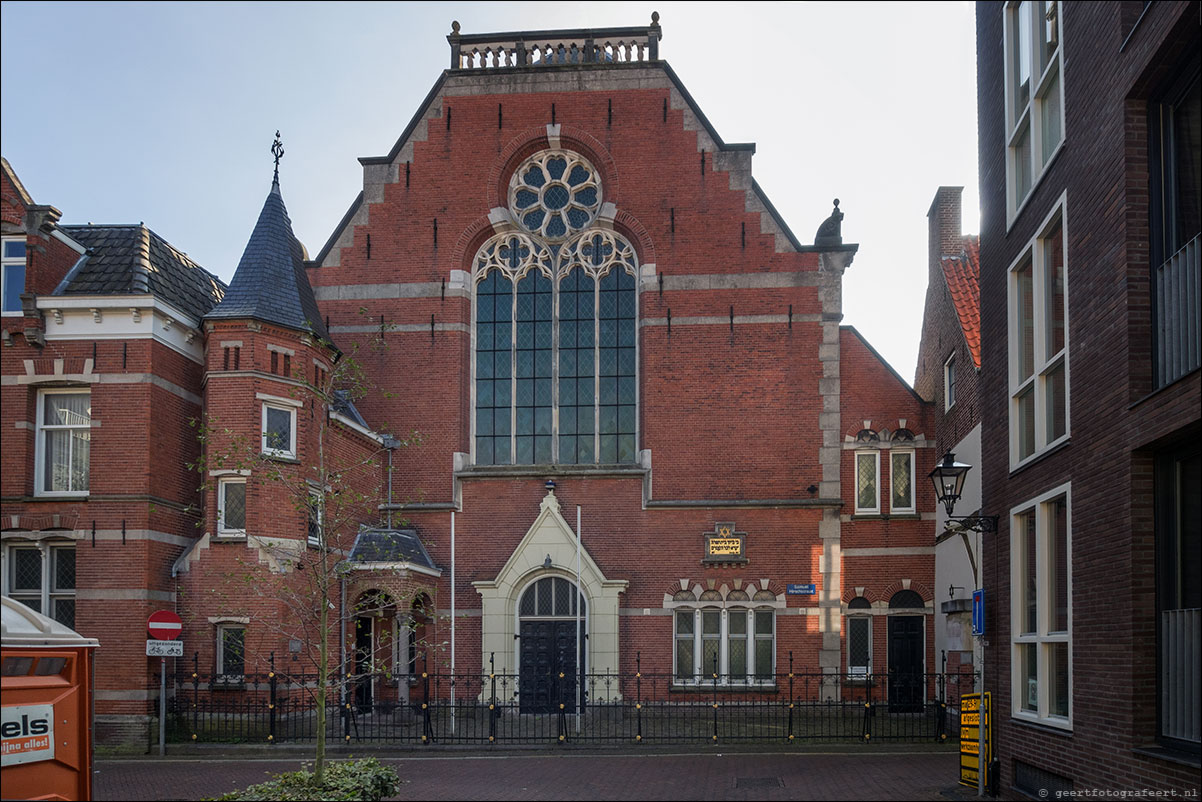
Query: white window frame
1043	366
7	262
223	484
949	382
913	508
290	452
219	663
876	455
1043	637
47	592
703	674
39	474
859	615
1045	87
315	511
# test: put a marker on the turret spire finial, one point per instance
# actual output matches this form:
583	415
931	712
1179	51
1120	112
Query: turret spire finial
277	150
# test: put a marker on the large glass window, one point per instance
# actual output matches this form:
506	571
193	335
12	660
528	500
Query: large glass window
1038	344
555	319
1175	189
1034	101
1179	595
1041	609
42	577
738	644
64	442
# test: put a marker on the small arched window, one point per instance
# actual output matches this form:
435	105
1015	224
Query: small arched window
859	638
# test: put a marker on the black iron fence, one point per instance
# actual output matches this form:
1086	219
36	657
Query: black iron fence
488	708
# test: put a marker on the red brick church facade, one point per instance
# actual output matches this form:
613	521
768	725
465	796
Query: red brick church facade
565	292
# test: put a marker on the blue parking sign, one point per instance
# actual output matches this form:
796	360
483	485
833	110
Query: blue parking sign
978	612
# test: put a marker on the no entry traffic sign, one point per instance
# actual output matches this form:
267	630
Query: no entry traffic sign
164	625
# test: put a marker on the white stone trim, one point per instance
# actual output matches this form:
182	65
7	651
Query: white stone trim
122	317
549	534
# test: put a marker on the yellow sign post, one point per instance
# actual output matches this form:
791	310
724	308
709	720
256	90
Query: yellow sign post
974	766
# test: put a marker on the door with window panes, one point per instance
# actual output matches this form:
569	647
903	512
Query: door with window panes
551	658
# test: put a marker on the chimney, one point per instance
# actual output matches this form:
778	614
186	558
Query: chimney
943	224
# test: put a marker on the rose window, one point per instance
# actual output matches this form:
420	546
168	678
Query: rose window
555	194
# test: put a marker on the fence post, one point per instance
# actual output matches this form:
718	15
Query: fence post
870	686
492	701
638	705
562	718
427	725
271	700
195	693
792	701
715	698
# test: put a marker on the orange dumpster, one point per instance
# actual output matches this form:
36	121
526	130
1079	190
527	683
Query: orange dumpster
46	695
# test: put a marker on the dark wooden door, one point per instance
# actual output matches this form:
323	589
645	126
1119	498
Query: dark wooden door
364	631
547	649
905	663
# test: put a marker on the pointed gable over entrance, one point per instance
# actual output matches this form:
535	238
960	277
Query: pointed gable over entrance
549	536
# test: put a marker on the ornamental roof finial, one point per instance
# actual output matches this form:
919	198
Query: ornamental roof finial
277	150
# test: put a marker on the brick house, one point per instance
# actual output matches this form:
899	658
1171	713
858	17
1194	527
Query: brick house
1089	123
949	364
102	365
555	337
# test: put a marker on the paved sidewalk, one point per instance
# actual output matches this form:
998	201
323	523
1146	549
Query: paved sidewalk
572	776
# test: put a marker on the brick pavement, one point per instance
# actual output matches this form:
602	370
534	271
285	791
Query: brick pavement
572	775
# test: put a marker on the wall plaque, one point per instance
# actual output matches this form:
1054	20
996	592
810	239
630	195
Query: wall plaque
724	545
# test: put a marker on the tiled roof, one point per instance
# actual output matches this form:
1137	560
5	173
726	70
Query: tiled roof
270	283
963	275
132	259
390	546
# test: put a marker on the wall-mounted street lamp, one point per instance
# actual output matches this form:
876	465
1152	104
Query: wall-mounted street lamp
948	478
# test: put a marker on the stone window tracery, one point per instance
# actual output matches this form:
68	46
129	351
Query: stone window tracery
555	323
554	194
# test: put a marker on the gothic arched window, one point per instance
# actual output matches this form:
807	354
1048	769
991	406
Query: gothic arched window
556	326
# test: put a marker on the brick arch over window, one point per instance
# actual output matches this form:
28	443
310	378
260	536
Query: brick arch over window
850	593
919	588
470	240
532	140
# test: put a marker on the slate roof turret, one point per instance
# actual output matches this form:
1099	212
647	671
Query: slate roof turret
270	284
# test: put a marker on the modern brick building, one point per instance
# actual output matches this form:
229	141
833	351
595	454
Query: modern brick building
558	273
1089	123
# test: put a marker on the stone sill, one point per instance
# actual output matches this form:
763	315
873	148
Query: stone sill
1179	756
549	471
702	687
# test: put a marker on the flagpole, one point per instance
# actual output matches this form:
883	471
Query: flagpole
452	621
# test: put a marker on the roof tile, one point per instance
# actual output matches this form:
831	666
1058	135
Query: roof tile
963	275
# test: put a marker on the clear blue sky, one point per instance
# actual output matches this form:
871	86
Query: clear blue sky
165	112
